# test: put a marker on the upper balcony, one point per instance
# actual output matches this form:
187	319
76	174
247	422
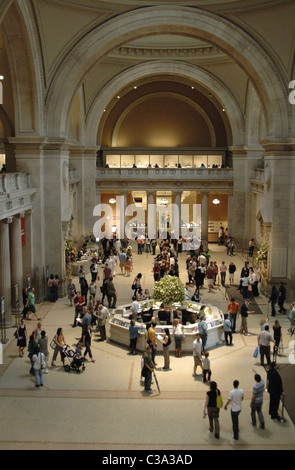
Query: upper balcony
16	194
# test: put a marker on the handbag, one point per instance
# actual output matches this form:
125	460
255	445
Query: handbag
256	352
219	401
53	344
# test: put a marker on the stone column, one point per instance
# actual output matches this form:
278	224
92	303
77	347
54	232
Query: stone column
230	214
5	272
176	216
151	214
121	204
16	259
204	222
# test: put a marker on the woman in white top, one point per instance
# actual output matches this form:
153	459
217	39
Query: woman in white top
178	336
39	364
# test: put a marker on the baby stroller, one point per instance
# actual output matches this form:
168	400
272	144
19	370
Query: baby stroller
75	362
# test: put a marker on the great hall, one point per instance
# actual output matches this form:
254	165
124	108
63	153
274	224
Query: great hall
150	103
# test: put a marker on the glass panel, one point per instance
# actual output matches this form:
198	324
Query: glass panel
200	160
185	161
156	160
142	161
170	161
214	160
127	161
113	161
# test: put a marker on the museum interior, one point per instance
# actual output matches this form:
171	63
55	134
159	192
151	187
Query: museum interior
133	104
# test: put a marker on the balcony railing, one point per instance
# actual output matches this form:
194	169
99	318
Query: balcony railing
165	173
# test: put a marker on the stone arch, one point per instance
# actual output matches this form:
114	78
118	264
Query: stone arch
235	42
177	68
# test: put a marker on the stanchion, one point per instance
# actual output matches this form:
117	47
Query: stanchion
4	340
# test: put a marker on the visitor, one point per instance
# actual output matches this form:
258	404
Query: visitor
244	315
50	284
277	335
178	336
210	276
31	302
227	328
87	342
133	333
148	369
21	335
251	247
111	293
273	300
264	339
206	368
81	273
79	303
203	329
84	289
212	410
257	401
55	287
94	270
231	273
166	341
102	316
222	270
122	261
235	398
151	340
38	366
233	310
71	291
92	290
60	341
275	389
253	281
282	297
197	354
244	285
43	348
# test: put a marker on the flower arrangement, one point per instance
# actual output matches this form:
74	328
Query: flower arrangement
169	289
70	252
262	253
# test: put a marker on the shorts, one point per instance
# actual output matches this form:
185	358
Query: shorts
198	361
209	282
32	308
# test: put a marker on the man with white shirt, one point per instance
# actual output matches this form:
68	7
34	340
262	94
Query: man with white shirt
235	398
264	339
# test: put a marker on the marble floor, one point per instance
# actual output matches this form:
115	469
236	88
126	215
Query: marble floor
105	408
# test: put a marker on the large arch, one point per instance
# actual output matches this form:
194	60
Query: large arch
178	20
175	68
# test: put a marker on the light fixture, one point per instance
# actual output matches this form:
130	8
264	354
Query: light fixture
118	96
112	200
164	201
135	87
1	77
216	201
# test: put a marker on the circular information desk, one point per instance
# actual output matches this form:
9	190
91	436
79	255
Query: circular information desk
190	311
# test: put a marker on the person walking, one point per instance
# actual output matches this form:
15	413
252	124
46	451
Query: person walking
235	398
282	297
275	390
222	270
206	368
257	401
87	342
60	342
43	348
203	331
21	335
31	302
212	410
264	339
112	294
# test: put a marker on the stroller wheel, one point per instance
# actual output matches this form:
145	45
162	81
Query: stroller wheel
67	368
78	371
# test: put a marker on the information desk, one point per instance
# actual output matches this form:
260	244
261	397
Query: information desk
120	322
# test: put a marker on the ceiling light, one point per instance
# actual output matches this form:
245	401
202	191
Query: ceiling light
164	201
112	200
216	201
135	87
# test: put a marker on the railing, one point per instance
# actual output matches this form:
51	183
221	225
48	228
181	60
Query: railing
11	182
172	173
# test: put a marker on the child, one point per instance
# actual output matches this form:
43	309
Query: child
206	368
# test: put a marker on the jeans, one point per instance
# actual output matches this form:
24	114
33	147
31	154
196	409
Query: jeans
228	334
204	340
178	341
88	349
235	421
38	377
257	408
222	275
233	319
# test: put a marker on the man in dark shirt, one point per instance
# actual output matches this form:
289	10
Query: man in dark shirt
282	297
275	390
244	316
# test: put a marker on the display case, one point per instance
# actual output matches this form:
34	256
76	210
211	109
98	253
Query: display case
190	313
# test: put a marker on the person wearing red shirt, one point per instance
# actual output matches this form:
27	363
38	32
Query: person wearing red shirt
233	309
79	303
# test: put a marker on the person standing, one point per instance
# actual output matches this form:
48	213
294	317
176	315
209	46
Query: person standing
112	294
244	315
71	291
277	335
148	369
151	339
222	270
264	339
133	333
206	368
231	273
257	401
233	309
212	410
79	303
60	342
275	390
21	335
282	297
43	348
197	354
251	247
166	343
227	328
38	366
102	316
235	398
273	300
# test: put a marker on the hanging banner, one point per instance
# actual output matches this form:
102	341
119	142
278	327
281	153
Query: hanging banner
23	230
